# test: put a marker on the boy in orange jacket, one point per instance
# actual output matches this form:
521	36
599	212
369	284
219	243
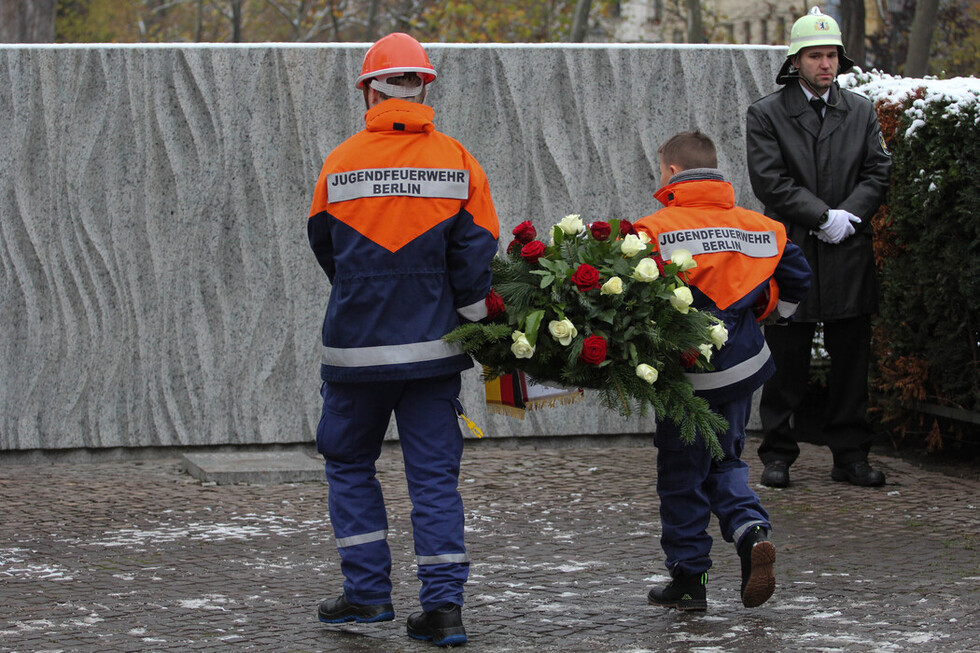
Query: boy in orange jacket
738	254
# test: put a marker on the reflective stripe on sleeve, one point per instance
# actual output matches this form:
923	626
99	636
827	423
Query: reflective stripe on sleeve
364	538
445	558
475	311
720	379
413	352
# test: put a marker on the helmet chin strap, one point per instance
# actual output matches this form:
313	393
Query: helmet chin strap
829	104
811	86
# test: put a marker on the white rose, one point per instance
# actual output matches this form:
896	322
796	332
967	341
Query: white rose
706	351
683	259
571	224
646	271
632	245
521	347
644	237
719	335
612	287
682	299
563	331
647	373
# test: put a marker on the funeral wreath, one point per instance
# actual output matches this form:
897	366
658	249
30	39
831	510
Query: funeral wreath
597	307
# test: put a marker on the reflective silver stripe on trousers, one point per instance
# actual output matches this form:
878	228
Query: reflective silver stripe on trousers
475	311
354	540
745	369
740	531
413	352
442	559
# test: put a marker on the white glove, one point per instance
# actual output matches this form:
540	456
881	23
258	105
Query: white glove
838	226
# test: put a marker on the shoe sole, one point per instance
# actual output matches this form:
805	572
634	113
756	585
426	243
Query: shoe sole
779	486
842	477
769	482
448	640
384	616
762	578
687	606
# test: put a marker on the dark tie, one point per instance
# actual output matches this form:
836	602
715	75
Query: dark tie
817	104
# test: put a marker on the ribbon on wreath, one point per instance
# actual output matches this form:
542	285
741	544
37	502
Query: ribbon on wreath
514	394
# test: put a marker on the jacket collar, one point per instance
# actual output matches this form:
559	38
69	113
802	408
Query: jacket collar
697	187
797	106
400	115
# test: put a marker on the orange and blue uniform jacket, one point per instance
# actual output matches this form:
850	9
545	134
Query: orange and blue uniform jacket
404	226
738	252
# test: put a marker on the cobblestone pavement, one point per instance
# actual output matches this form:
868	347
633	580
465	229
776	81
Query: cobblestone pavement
138	556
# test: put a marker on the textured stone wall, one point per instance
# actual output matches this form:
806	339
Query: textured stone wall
156	285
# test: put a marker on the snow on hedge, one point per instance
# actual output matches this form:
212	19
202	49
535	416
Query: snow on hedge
959	95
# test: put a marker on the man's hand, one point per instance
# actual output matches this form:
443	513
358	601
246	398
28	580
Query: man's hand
838	226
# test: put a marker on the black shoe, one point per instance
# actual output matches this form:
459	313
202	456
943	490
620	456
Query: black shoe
776	474
442	626
758	579
337	611
683	593
859	473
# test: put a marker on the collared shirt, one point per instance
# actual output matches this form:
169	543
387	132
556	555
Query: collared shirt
810	95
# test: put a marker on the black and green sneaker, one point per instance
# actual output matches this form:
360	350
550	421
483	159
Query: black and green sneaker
682	593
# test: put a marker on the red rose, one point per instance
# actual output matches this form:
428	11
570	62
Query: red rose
593	350
515	247
689	357
600	230
586	277
659	260
626	228
525	232
495	304
533	251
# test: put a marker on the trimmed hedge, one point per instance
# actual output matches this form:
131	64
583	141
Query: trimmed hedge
927	333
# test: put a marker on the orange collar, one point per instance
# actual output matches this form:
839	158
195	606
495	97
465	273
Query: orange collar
400	115
697	192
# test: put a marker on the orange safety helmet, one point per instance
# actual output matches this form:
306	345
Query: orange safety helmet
393	55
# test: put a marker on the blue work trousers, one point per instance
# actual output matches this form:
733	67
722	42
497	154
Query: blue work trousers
692	485
351	430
